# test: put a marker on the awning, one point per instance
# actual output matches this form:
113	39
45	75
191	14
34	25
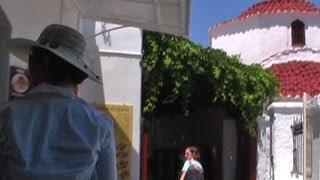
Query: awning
169	16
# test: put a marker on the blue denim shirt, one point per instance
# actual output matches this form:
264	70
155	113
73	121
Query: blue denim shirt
51	134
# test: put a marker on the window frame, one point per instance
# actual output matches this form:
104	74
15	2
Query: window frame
298	37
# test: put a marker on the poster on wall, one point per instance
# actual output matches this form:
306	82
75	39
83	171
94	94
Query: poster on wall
19	82
122	116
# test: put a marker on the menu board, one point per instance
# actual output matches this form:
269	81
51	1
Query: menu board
122	116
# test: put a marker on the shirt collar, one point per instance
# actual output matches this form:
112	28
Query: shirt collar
49	88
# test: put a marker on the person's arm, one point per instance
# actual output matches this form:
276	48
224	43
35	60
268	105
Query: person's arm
184	169
106	166
183	175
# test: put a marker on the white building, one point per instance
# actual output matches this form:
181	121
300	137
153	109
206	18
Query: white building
283	36
114	51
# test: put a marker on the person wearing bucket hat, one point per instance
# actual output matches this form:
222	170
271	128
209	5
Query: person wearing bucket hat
50	133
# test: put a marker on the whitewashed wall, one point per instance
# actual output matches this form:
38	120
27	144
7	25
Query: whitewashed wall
256	38
279	140
27	19
282	146
263	148
116	56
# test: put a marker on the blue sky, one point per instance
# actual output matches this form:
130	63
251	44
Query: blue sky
205	13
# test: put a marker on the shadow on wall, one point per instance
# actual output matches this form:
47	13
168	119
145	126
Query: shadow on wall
5	31
263	125
92	91
316	126
127	156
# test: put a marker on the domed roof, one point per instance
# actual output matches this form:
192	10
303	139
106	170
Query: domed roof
266	7
279	6
296	77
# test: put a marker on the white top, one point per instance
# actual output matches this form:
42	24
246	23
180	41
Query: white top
189	163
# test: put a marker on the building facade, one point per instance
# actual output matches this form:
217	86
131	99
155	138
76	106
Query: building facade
282	36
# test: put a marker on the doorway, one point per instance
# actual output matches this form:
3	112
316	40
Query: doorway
171	135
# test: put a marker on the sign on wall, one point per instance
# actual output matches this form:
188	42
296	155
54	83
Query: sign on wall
19	82
122	116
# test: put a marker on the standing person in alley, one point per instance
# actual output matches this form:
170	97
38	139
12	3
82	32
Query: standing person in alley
50	133
192	169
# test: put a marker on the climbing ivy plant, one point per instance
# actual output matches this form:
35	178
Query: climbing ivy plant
180	77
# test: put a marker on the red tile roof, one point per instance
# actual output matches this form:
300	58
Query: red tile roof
279	6
275	6
296	77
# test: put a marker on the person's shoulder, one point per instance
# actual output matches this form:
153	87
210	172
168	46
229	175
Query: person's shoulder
79	102
196	164
186	165
187	162
195	161
101	117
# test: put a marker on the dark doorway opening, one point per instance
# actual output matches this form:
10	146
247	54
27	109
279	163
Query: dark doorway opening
171	135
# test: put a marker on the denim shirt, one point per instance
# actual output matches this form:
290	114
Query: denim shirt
51	134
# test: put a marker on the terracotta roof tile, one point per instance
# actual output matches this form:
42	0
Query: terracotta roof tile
296	77
277	6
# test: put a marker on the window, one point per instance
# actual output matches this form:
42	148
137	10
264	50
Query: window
297	132
298	33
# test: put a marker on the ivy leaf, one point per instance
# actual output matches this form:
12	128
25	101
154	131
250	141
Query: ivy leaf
181	77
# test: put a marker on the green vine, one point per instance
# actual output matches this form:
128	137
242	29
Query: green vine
180	77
